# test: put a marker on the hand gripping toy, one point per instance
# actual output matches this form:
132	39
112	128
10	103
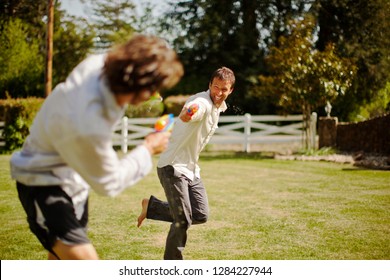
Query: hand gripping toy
164	123
192	109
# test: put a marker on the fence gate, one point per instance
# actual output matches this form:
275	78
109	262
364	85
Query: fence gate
245	130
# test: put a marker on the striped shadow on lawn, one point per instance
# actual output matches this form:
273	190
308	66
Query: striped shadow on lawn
260	209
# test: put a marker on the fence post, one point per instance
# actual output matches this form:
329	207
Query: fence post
247	132
124	134
2	142
313	129
327	132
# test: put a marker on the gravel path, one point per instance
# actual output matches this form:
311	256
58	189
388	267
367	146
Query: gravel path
358	159
289	151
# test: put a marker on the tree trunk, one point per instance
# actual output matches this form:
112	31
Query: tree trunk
49	47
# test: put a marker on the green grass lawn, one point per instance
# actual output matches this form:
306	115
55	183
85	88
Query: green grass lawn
260	209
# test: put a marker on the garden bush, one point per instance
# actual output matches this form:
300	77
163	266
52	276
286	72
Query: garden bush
155	107
174	104
18	115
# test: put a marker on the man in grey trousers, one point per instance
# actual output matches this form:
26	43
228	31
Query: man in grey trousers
178	168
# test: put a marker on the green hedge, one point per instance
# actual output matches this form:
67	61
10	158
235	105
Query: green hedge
174	104
149	109
18	115
155	108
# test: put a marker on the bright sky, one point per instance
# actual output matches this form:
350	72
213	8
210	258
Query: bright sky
75	7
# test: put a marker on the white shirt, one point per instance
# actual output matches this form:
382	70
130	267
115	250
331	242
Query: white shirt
70	141
189	138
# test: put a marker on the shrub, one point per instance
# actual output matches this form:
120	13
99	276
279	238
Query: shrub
150	109
379	105
18	115
174	104
155	108
21	62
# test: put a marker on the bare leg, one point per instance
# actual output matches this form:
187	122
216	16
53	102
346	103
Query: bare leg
75	252
144	211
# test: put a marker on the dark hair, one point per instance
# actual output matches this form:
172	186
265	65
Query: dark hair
144	62
224	73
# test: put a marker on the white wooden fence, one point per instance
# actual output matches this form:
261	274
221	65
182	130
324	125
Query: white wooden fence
245	130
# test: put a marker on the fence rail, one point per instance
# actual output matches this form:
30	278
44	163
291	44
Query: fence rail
245	130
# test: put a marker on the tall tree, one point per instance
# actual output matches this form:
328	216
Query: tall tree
234	33
361	30
302	78
208	35
72	40
21	62
30	12
113	21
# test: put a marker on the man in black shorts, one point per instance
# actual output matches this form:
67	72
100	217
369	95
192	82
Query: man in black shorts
70	150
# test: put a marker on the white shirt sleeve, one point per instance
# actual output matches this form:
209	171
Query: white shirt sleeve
96	161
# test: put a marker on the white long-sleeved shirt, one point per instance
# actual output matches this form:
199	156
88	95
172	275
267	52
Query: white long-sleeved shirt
70	141
189	138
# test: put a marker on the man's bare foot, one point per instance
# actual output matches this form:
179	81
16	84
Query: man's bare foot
142	216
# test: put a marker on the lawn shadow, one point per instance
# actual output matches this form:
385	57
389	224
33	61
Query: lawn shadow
358	167
221	155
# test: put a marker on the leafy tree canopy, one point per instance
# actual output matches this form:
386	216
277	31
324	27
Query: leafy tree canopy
21	63
301	78
241	33
24	23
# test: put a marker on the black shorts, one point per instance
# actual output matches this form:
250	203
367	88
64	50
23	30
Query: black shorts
51	215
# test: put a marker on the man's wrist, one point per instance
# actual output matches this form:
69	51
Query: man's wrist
148	147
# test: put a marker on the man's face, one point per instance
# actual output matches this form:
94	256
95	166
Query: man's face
219	91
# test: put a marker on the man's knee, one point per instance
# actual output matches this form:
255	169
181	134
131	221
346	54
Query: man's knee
200	218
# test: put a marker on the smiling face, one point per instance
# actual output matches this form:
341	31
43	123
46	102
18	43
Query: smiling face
220	90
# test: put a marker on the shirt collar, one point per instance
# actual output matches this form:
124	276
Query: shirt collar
112	110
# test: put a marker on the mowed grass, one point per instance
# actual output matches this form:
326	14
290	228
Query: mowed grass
260	209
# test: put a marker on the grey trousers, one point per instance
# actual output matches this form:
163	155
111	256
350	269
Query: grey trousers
187	204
